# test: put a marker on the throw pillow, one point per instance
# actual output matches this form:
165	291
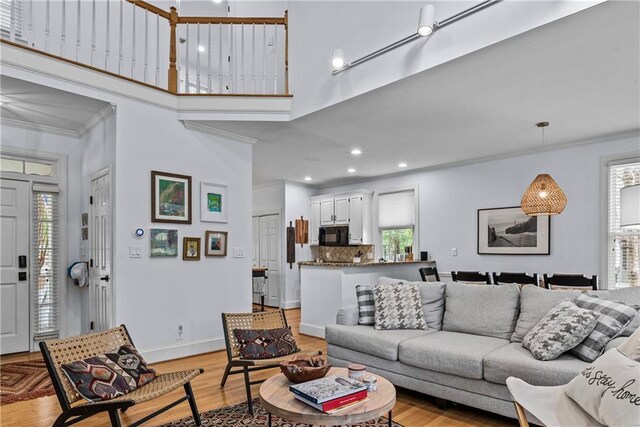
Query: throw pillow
432	297
366	306
398	307
631	346
561	329
609	390
109	375
265	343
613	318
629	296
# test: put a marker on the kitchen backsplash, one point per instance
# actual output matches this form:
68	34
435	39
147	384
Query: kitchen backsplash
343	253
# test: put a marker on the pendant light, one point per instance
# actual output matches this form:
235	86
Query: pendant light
544	196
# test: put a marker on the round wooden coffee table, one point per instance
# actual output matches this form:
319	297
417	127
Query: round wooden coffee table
278	400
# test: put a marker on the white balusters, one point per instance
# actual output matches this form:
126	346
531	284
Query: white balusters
197	58
133	39
186	66
63	28
47	24
78	29
157	48
275	58
209	55
231	60
93	30
242	58
30	25
107	48
146	46
264	58
253	58
120	38
12	25
219	58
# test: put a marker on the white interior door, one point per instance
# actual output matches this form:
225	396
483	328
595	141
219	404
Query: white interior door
101	285
255	242
14	270
273	261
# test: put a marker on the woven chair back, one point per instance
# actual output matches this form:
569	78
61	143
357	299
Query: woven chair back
258	320
69	350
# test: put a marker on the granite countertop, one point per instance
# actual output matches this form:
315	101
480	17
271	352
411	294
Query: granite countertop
358	264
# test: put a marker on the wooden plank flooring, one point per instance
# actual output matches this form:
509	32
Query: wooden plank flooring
412	409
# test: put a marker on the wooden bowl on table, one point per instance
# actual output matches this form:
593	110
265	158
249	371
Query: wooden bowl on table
301	369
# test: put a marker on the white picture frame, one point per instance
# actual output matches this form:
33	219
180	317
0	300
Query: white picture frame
214	202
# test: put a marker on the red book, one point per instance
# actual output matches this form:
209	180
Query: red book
335	403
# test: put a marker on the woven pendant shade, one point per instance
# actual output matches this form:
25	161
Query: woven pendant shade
543	197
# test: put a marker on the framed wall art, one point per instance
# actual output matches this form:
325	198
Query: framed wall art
170	198
215	243
509	231
163	243
213	202
191	248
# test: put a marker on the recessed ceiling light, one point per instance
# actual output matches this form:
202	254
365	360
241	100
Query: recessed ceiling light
402	165
217	1
356	151
351	170
201	48
307	178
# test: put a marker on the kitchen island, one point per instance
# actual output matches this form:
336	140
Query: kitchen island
327	286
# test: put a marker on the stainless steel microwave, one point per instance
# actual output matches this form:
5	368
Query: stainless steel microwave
334	236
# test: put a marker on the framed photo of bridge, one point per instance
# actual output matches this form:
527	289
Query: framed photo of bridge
509	231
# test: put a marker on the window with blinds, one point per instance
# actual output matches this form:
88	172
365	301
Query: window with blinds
45	275
624	244
11	10
396	222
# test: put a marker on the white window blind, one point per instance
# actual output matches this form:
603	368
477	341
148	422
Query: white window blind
9	9
396	210
624	244
46	260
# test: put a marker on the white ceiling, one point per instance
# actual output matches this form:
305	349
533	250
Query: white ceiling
579	73
45	107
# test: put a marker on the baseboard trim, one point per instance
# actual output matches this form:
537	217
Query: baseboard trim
176	351
291	304
313	330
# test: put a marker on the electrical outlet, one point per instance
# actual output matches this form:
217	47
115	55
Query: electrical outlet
135	252
454	251
180	332
238	253
270	41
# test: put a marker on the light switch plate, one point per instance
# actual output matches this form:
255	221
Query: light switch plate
454	251
238	252
135	252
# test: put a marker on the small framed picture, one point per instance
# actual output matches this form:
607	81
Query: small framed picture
509	231
213	202
191	248
216	243
170	198
163	243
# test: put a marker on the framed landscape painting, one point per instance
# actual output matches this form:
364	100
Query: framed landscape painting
164	243
213	202
509	231
170	198
215	243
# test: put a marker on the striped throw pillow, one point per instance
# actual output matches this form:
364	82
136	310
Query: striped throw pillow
613	318
366	306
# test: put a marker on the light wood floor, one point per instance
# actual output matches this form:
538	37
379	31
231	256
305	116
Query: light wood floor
412	409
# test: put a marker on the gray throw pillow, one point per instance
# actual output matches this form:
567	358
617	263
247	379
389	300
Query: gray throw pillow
561	329
629	296
613	318
535	302
432	297
398	307
366	306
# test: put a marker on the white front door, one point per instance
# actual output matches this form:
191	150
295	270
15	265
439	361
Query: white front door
14	266
100	282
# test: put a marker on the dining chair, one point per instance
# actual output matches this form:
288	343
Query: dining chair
471	277
429	274
519	278
570	281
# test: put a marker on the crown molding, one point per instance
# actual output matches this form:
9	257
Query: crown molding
218	132
107	111
40	128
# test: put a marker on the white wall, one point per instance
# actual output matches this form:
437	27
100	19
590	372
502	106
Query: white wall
268	199
449	199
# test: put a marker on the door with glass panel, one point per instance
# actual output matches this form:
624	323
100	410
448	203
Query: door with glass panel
100	280
14	266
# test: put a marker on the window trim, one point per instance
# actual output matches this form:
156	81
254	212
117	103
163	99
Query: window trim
605	163
416	222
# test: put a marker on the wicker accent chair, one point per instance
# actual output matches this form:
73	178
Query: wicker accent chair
58	352
259	320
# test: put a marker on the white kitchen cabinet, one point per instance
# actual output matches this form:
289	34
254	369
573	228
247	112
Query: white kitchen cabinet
341	211
355	225
314	223
326	211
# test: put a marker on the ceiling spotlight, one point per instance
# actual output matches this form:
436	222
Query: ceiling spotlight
201	48
402	165
425	22
356	151
351	170
307	178
217	1
337	63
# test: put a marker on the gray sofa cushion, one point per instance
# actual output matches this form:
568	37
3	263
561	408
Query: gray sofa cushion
514	360
449	352
535	302
630	296
481	310
348	315
432	296
368	340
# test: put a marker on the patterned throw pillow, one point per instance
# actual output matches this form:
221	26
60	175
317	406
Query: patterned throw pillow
561	329
109	375
265	343
366	306
398	307
613	318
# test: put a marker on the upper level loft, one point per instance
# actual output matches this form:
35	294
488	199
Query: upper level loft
208	65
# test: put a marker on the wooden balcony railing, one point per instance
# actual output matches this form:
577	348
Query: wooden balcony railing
137	41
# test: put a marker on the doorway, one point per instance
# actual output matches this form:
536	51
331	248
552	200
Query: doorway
266	254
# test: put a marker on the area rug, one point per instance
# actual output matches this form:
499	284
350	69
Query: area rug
24	381
237	416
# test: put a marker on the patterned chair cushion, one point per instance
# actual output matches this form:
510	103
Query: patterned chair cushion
398	307
366	306
561	329
613	318
265	343
109	375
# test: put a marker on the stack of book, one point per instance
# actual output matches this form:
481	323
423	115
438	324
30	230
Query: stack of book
330	394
